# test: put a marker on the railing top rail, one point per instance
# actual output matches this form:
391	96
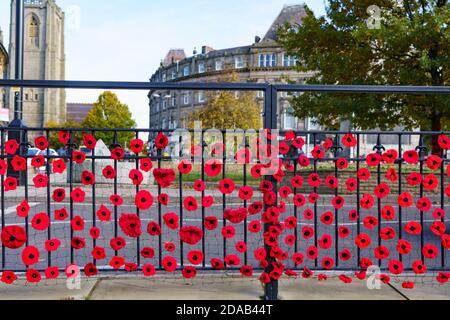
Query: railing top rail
224	86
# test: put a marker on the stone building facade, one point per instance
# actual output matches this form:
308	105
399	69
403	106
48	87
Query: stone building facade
44	59
3	71
264	61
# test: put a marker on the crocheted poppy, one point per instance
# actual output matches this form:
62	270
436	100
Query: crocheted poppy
211	223
90	270
13	237
414	179
64	137
325	242
37	161
390	156
387	233
430	251
148	253
77	223
388	213
78	157
443	277
349	140
373	159
169	264
338	202
312	253
424	204
78	195
130	225
30	256
172	220
143	200
199	185
327	263
33	276
342	163
419	267
318	152
254	226
413	228
411	157
236	216
195	257
8	277
117	243
403	247
363	241
382	253
291	222
308	214
382	190
255	208
363	174
23	209
304	161
78	243
314	180
344	232
313	197
405	200
367	201
118	154
41	143
98	253
154	229
145	164
19	163
131	267
109	172
370	222
327	218
391	175
161	141
185	167
117	262
136	177
228	232
170	247
89	141
116	200
430	182
11	147
226	186
434	162
87	178
3	167
163	199
345	255
149	270
164	177
189	272
61	214
438	228
232	260
351	184
104	214
137	145
190	204
40	181
40	222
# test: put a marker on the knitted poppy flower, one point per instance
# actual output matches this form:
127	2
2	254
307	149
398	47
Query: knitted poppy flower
61	214
172	220
439	213
312	253
149	270
161	141
19	163
351	184
413	228
41	143
445	239
213	167
169	264
411	157
228	232
264	278
78	157
99	253
304	161
373	159
78	243
430	182
143	200
363	174
77	223
13	237
154	229
370	222
246	271
365	263
11	147
89	141
78	195
40	181
405	200
438	228
285	192
30	256
424	204
117	262
23	209
314	180
345	255
131	267
246	193
117	243
254	226
396	267
104	214
87	178
344	232
390	156
116	200
419	267
444	142
189	272
353	215
338	202
332	182
136	177
342	163
283	147
367	201
403	247
191	235
137	145
118	154
318	152
33	276
190	204
226	186
313	197
148	253
235	216
3	167
325	242
387	233
90	270
109	172
170	247
40	222
199	185
164	177
349	140
414	179
327	263
443	277
195	257
255	208
211	223
363	241
382	190
430	251
391	175
37	161
64	137
130	224
232	260
388	213
408	285
291	222
298	142
145	164
8	277
185	167
434	162
381	253
327	218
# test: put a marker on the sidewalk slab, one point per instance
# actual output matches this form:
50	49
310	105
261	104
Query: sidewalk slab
46	290
333	289
425	290
177	289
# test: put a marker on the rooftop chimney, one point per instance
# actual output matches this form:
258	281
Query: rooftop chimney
207	49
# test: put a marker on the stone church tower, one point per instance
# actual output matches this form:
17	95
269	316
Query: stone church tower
44	59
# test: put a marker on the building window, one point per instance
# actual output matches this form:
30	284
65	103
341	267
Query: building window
33	31
267	60
201	68
173	74
289	118
164	77
186	71
174	101
186	98
201	97
219	65
289	61
239	62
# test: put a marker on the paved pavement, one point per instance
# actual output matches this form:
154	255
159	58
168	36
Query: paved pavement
219	288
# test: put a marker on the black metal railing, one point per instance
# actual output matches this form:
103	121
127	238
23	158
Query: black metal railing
321	233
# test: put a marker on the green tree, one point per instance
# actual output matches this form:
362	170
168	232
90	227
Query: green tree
226	110
54	135
109	112
410	47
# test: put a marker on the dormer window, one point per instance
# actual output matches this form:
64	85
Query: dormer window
267	60
186	71
239	62
201	68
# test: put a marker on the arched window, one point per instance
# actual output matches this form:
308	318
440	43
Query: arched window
33	31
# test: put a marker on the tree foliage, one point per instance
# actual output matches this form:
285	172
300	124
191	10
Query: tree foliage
228	110
109	112
410	47
54	135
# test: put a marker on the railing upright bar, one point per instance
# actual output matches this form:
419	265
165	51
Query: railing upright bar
2	188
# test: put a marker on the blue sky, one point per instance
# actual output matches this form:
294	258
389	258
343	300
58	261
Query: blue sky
125	40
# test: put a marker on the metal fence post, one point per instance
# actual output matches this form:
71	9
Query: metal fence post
270	123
